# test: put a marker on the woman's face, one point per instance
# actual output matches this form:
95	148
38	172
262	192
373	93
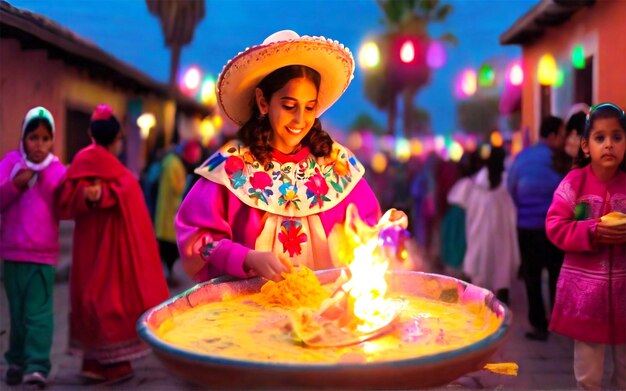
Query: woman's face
291	112
37	144
572	143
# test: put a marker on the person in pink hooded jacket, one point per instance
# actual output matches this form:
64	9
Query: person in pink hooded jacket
590	305
29	246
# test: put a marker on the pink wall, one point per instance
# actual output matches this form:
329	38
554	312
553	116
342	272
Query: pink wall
27	79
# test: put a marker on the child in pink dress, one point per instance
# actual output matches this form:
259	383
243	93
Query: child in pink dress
29	247
590	302
280	188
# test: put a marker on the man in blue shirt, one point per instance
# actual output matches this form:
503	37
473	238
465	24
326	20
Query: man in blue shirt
531	181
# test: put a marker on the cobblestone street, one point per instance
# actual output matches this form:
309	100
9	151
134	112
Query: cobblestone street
542	365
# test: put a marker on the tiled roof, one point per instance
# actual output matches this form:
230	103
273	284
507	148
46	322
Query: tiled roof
547	13
35	31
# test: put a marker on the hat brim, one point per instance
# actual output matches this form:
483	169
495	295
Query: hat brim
241	75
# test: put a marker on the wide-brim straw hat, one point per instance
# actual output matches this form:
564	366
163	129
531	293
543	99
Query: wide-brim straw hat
242	74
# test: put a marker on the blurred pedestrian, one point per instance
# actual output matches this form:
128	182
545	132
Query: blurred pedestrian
590	300
283	186
492	256
453	243
574	128
423	194
563	159
29	246
531	182
151	174
116	272
177	166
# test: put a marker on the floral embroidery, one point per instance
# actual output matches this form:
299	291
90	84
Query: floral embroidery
281	188
237	180
234	169
289	195
233	164
317	188
260	182
291	236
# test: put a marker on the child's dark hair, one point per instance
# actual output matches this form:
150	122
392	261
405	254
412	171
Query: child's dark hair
104	131
256	133
35	123
495	166
602	110
550	125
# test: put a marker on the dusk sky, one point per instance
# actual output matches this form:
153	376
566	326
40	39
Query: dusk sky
126	29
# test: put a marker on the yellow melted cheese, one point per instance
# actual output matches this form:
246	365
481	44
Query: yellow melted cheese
240	328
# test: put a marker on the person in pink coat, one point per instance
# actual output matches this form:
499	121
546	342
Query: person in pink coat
29	246
590	305
277	191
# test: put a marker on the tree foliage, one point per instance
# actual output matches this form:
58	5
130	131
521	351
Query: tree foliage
404	19
478	114
365	122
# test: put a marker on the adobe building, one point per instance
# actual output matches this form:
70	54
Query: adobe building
45	64
587	39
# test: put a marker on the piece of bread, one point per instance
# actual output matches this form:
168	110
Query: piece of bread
614	218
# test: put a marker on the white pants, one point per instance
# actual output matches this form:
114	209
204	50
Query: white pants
589	365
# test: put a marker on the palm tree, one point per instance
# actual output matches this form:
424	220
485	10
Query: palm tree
405	19
179	19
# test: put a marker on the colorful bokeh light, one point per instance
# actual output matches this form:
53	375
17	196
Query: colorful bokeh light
455	151
560	78
192	78
407	52
379	162
436	55
496	139
369	55
546	70
417	148
207	91
468	83
486	76
578	57
403	150
516	75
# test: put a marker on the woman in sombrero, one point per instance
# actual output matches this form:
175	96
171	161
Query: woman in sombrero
280	188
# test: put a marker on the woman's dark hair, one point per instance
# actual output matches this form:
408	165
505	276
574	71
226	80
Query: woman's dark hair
104	131
495	166
576	122
470	163
34	124
256	133
601	111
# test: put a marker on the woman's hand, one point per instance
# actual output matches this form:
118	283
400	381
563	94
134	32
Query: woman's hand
20	180
398	217
93	193
265	264
607	234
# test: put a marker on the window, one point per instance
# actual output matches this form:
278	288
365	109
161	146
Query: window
583	83
76	136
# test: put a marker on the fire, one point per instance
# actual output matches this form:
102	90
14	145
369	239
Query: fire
358	308
368	287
